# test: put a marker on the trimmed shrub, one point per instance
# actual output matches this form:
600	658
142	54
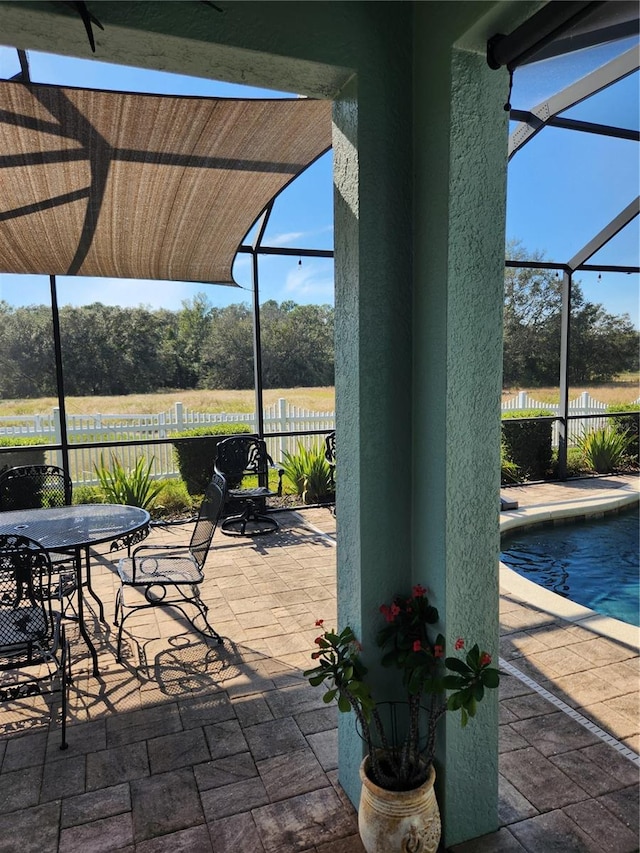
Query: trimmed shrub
528	443
27	456
196	454
628	421
173	499
88	495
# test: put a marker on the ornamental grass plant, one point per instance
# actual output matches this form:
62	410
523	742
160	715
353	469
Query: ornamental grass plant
400	737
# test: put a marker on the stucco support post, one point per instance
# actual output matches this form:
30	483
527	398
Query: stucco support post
373	252
460	151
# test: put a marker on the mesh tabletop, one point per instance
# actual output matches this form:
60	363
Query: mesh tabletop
74	526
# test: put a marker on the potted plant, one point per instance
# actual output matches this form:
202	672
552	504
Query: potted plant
397	805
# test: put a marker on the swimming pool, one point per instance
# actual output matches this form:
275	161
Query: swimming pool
594	562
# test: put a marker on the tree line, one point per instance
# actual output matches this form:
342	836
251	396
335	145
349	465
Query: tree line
112	351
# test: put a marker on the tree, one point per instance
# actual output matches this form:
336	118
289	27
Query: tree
27	363
227	354
602	344
298	348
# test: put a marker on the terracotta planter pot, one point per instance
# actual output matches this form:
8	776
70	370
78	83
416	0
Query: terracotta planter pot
398	821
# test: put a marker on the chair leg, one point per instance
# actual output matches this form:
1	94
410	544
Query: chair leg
251	522
65	666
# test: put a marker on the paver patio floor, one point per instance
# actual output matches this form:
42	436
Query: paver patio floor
191	746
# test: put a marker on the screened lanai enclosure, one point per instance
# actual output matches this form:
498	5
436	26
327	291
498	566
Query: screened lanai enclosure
140	187
107	184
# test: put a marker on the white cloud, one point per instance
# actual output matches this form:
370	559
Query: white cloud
310	282
287	238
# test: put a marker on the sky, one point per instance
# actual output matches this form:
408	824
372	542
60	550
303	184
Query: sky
563	187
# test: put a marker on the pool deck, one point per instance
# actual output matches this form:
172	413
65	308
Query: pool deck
188	746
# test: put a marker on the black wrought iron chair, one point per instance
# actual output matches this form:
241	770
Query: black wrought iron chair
237	458
31	631
34	486
170	575
330	456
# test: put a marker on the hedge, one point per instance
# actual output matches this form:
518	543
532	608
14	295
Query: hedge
527	442
21	456
196	455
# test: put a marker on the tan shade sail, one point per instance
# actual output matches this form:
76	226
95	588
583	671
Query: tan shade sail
137	186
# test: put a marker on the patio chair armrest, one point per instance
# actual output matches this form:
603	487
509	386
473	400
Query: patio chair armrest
280	471
155	548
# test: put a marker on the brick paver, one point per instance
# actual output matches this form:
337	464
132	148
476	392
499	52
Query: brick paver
190	746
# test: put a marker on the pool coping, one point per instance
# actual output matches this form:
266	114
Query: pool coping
589	505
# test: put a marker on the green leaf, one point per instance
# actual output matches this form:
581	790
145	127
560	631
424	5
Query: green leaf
455	701
473	657
454	682
457	665
329	696
464	718
343	704
490	677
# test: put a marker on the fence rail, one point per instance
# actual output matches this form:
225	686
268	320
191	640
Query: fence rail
281	417
583	413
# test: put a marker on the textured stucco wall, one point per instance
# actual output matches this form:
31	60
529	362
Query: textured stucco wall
460	137
420	159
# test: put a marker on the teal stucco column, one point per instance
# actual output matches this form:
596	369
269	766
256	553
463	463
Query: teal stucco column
460	166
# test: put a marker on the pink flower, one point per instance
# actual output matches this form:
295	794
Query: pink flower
417	645
418	591
318	640
485	659
319	623
459	644
315	655
438	651
389	613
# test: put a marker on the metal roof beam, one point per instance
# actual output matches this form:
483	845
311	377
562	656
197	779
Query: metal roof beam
587	86
574	124
608	232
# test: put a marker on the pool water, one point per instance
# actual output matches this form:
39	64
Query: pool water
592	562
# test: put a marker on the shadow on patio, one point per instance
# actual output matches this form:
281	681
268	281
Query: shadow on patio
193	746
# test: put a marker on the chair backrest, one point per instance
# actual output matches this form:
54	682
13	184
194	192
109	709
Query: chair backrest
26	616
330	449
240	455
208	516
330	455
32	486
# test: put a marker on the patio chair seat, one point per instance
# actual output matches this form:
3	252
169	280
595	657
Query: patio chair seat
23	626
160	569
170	575
32	634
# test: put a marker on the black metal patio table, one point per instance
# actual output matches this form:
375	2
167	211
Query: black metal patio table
75	529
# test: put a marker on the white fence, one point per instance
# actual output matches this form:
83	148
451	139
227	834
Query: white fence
97	428
582	405
280	417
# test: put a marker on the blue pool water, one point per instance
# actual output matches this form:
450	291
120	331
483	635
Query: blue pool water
592	562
